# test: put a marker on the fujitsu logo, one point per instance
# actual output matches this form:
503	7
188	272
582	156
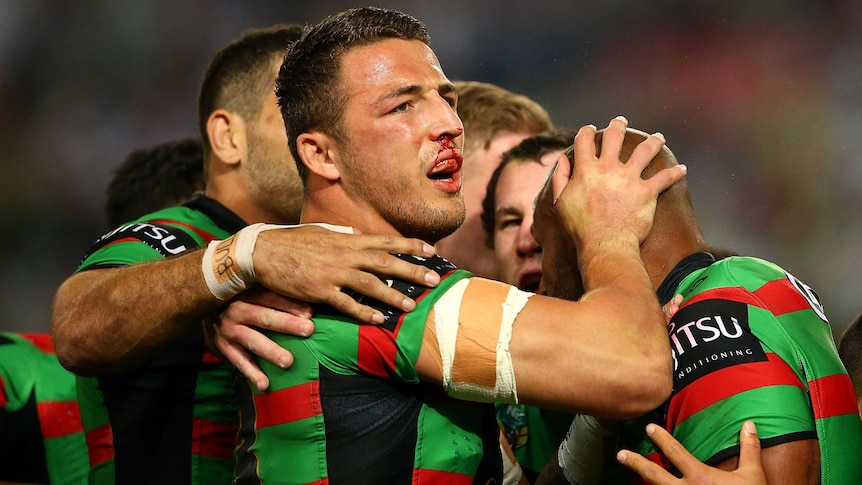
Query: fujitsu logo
714	334
166	240
704	330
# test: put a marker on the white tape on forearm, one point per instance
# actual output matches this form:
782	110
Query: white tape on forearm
581	455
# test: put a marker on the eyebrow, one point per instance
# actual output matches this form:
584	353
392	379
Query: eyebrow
443	89
505	211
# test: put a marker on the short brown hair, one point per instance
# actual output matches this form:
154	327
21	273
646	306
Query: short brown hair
237	79
308	86
486	110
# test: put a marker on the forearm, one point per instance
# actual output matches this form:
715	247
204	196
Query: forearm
109	320
607	354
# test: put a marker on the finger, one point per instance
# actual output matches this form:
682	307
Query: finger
350	307
647	470
667	177
645	152
240	359
386	265
585	145
394	244
672	449
670	308
560	177
749	448
612	139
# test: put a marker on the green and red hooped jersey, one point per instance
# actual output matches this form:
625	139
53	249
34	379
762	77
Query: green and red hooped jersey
174	418
351	408
41	436
751	341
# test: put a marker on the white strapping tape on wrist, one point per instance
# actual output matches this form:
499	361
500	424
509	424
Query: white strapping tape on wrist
228	264
447	321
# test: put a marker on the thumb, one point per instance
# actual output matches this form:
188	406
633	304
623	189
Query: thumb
749	447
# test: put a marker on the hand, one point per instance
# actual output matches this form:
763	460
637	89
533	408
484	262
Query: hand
749	472
313	264
237	331
606	200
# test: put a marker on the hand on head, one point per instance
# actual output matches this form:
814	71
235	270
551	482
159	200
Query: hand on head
603	201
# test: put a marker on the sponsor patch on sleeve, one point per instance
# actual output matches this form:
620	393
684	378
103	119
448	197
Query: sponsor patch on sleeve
165	239
708	336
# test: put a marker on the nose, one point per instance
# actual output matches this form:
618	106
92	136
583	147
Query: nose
448	124
527	244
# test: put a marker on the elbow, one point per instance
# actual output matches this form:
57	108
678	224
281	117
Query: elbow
73	355
647	387
73	349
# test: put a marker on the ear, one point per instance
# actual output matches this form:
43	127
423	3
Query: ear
319	153
227	134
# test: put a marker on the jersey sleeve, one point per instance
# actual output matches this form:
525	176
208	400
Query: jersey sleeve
738	354
388	350
156	236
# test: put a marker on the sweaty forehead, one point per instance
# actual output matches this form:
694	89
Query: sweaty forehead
386	64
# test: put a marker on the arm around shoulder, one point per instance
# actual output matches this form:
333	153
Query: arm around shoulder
105	321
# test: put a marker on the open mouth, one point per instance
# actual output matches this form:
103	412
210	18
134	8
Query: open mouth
446	171
530	282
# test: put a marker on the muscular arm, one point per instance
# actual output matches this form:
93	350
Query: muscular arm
607	354
109	320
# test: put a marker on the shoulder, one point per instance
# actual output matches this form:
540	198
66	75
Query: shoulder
161	234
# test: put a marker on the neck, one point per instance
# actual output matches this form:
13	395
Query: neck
328	203
661	253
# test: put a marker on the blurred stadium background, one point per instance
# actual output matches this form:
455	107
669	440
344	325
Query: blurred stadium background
762	100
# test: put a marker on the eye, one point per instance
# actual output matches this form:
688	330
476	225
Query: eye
508	222
401	108
452	100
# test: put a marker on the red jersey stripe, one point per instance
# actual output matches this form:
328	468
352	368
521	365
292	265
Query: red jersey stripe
4	400
439	477
100	443
210	358
841	401
377	349
41	341
59	418
780	297
287	405
207	236
737	294
123	240
215	440
727	382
